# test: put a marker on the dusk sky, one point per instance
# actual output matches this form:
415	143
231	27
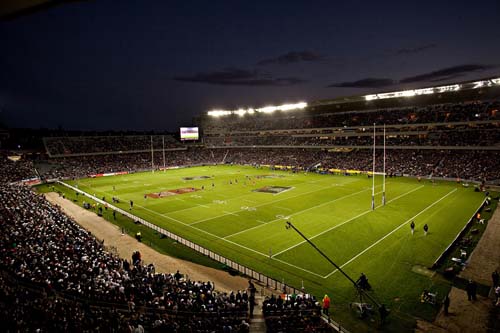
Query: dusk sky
153	65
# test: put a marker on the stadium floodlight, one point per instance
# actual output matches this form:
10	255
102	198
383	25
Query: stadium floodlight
240	112
218	113
434	90
267	109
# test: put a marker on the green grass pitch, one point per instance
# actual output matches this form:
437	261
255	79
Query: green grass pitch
248	226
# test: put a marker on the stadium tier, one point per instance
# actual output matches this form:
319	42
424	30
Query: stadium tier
470	164
52	268
452	124
90	145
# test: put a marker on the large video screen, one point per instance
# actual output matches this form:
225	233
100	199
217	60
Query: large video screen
189	133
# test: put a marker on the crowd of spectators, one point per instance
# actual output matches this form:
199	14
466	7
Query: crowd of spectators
12	171
84	166
476	165
41	246
293	313
460	137
438	113
72	145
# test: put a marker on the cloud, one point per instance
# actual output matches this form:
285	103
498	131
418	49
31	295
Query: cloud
417	49
292	57
239	77
365	83
446	73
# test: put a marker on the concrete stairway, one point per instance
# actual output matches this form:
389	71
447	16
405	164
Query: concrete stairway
257	322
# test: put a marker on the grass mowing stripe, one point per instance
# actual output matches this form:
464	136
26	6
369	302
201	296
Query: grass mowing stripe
234	243
299	212
465	226
390	233
347	221
263	204
229	198
218	237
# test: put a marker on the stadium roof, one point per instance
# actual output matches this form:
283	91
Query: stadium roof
459	87
429	90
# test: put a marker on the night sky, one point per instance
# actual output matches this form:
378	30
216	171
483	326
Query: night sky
153	65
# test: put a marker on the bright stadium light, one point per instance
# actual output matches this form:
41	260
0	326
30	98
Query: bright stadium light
434	90
267	109
218	113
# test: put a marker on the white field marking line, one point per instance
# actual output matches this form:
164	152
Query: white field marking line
347	221
229	213
473	214
231	242
390	233
184	200
240	196
263	204
219	196
297	213
291	188
188	208
284	208
234	243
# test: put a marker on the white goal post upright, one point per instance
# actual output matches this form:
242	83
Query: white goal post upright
373	170
383	175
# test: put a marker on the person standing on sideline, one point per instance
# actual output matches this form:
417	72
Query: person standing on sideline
251	298
495	277
474	291
412	226
470	290
326	305
426	229
131	204
497	295
446	304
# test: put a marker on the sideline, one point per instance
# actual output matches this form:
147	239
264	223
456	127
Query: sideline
124	244
391	232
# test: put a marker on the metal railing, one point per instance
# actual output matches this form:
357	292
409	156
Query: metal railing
269	282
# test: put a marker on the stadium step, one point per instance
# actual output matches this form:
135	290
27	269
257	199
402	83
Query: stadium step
257	322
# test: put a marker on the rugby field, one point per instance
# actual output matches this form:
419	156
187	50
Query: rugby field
239	212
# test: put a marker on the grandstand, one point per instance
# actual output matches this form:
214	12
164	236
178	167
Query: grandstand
451	135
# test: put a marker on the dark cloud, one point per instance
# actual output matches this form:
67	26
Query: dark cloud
446	73
292	57
417	49
239	77
365	83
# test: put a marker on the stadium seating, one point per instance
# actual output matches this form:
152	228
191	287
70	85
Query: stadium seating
56	276
457	125
77	145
